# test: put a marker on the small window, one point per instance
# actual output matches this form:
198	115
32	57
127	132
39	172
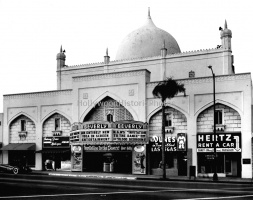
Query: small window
57	124
109	118
23	125
218	117
0	123
168	119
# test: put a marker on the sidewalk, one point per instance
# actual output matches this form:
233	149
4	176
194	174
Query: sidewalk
101	175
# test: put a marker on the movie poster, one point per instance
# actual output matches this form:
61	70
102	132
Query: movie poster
76	158
139	159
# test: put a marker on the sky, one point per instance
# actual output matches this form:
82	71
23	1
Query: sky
32	32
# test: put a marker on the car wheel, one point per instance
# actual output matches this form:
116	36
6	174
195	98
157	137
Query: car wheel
15	170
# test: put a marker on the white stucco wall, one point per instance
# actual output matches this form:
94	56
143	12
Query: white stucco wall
15	128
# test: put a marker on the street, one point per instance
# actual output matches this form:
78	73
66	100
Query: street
51	187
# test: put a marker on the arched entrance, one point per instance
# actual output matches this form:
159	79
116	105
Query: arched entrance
55	142
22	133
228	142
109	140
175	139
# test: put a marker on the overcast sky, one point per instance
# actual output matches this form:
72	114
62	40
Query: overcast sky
32	31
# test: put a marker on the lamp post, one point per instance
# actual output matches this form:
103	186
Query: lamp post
215	176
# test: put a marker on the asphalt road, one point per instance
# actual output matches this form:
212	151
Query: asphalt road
51	187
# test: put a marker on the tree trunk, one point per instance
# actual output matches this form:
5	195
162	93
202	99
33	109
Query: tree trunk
163	140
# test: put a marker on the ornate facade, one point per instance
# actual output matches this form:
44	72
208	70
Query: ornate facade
105	116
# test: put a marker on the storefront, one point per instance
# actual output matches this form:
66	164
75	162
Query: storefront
109	147
175	154
228	156
56	150
21	154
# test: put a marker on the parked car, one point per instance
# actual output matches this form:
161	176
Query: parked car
14	169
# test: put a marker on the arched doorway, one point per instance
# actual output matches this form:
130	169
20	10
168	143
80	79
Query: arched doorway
227	141
175	128
118	155
22	133
55	142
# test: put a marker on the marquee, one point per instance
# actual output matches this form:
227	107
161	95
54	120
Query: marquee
106	132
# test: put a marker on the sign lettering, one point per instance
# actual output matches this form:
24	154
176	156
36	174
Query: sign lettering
111	148
225	142
54	142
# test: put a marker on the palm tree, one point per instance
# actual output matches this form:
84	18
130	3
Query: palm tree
166	89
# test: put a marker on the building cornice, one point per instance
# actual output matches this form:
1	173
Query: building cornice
209	79
37	94
145	59
111	75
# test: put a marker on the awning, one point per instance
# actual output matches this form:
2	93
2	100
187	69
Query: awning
53	151
19	146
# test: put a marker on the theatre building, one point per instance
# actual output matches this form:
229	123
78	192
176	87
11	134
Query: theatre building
103	116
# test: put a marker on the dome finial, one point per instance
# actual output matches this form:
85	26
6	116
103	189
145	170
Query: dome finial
61	49
164	44
149	17
106	51
225	26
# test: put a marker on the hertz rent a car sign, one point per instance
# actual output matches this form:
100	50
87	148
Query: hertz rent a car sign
225	142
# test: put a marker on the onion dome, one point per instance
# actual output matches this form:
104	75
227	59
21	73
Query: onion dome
61	55
146	42
226	32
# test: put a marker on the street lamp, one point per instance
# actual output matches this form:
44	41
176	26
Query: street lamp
215	176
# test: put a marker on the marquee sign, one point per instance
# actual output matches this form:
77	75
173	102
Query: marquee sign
105	148
129	126
90	125
55	142
129	136
225	142
95	136
122	131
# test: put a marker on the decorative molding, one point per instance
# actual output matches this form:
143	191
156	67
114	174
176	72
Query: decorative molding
57	133
191	74
37	94
110	75
20	111
220	127
109	111
53	111
145	59
22	135
169	129
131	92
220	78
85	96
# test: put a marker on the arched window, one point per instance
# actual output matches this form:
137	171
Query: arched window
109	118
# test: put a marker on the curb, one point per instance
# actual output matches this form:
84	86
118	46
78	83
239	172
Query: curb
130	178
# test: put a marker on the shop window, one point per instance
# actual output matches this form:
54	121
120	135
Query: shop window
168	119
156	159
57	124
219	116
109	118
23	125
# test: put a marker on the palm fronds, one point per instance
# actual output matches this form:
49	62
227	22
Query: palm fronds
168	89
